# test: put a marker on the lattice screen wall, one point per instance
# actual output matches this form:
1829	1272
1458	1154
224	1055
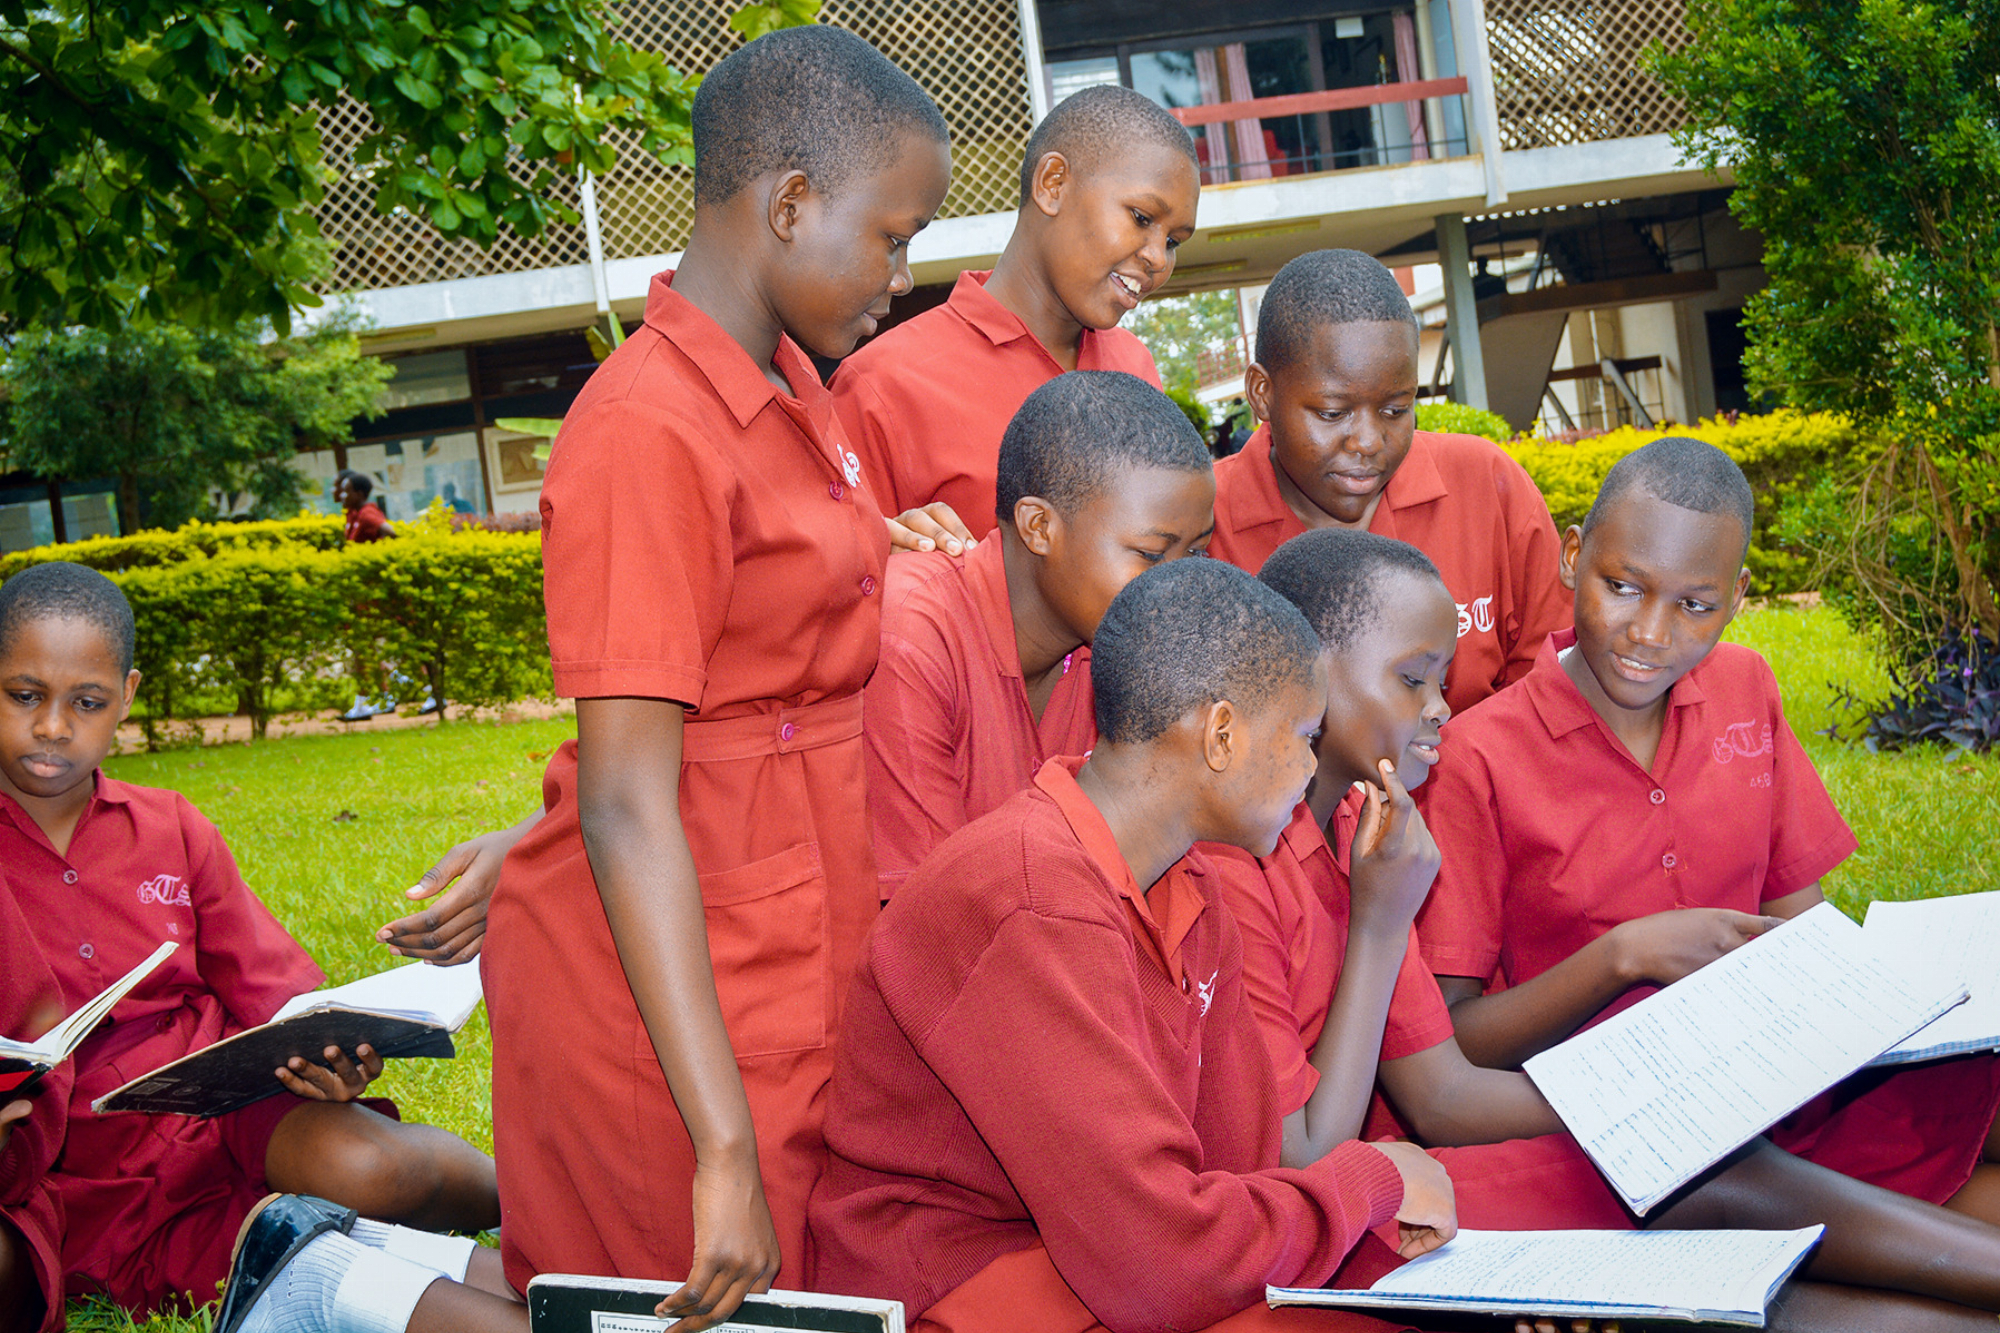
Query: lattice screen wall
966	54
373	251
1569	71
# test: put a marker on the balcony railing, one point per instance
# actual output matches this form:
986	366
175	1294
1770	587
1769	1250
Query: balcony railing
1564	71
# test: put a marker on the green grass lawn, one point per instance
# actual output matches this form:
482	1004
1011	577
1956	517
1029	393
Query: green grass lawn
1926	821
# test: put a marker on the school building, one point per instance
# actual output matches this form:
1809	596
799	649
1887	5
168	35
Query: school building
1513	154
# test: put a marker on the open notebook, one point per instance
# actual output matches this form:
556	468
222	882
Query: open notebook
1958	936
1661	1092
1706	1277
23	1063
406	1011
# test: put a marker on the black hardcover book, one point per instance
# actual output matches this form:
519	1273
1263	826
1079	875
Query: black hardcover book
240	1070
568	1303
406	1011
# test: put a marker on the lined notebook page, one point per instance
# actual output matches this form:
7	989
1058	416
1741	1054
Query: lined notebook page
1953	936
1712	1276
1659	1093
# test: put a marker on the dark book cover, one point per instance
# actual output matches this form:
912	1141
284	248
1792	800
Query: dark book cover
239	1070
562	1303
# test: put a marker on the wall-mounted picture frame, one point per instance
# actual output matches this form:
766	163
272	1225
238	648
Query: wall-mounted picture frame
512	465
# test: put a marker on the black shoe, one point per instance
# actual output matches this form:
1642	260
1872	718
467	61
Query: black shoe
276	1230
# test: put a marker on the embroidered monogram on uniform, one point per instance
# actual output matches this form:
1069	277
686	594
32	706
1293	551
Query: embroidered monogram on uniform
1743	740
165	890
1206	990
1475	615
851	466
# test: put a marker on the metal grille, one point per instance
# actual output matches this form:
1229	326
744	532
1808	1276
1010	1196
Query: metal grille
372	250
965	53
1569	71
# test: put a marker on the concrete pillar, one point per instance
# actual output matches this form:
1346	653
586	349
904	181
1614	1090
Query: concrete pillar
1461	315
1031	56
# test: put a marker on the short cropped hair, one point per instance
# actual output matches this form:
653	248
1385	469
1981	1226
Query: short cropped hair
359	482
1685	473
1339	578
60	590
1098	122
1073	435
1322	288
816	99
1187	634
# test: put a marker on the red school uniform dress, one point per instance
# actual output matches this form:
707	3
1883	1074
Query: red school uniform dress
152	1202
1461	501
1552	834
1293	908
948	727
706	539
1052	1108
927	402
30	1206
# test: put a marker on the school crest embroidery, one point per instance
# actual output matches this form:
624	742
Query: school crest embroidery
164	891
1743	740
1475	615
1206	991
851	466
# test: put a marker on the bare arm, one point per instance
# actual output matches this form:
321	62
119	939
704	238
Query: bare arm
1450	1102
628	801
1394	861
1502	1030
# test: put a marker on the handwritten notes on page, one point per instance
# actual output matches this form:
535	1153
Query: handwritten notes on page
1710	1277
1661	1092
1953	936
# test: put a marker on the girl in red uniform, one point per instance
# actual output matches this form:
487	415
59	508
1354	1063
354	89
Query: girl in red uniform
1108	193
985	671
1335	382
1330	965
671	944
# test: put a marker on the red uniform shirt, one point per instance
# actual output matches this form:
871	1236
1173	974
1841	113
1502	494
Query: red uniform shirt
927	402
150	1199
366	523
29	1003
1040	1052
1461	501
1293	909
706	539
1552	834
949	731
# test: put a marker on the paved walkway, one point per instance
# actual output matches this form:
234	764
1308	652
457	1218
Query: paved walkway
236	729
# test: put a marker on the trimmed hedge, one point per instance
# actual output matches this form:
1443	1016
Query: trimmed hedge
276	614
168	546
1448	418
1783	453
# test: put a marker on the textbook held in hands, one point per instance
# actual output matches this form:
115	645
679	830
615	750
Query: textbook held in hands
1663	1091
569	1303
1696	1277
406	1011
22	1063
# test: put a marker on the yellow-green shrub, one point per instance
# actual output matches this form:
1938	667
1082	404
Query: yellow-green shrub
263	615
166	546
1782	453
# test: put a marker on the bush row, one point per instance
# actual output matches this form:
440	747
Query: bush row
279	619
264	615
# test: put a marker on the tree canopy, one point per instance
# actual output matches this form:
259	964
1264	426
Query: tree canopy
161	158
1864	136
175	415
